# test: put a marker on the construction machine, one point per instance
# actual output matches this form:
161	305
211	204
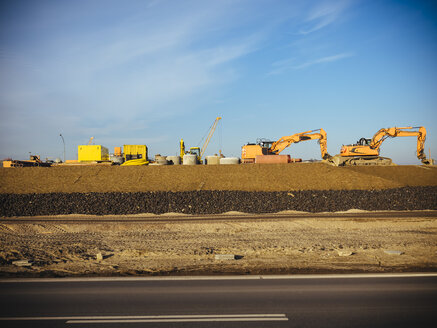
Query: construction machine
192	151
366	151
34	160
267	147
199	152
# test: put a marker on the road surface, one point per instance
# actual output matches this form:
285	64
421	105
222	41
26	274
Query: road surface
254	301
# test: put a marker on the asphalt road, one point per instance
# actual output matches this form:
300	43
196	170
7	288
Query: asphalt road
302	301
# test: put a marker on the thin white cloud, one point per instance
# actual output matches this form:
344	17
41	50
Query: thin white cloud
227	53
284	63
289	64
324	14
327	59
122	76
121	73
139	65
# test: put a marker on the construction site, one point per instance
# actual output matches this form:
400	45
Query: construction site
364	152
204	164
125	213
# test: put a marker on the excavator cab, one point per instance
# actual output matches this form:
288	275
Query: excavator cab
195	151
265	145
364	142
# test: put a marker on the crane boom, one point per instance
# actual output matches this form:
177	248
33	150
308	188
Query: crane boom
196	150
208	138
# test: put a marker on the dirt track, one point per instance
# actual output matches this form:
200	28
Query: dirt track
283	245
256	177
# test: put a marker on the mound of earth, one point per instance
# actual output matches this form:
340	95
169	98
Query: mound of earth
251	177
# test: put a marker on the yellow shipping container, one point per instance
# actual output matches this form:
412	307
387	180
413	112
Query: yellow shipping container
134	152
92	153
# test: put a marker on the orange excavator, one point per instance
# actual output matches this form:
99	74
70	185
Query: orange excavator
265	147
366	151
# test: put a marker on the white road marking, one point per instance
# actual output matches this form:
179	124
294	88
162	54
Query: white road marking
158	318
239	277
178	320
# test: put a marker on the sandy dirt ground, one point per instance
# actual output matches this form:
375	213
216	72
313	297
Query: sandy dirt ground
249	177
262	246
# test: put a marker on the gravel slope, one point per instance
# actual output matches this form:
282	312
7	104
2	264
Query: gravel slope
213	202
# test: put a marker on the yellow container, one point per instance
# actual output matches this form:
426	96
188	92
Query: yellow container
135	152
92	153
117	151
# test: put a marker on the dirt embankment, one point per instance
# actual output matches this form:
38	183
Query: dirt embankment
316	245
314	187
255	177
269	246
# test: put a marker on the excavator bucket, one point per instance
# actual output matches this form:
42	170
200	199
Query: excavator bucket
336	160
428	161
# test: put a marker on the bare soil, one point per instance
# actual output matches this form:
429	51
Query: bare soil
317	245
259	246
249	177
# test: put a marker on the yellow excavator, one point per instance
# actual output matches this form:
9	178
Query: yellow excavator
199	152
192	151
366	151
266	147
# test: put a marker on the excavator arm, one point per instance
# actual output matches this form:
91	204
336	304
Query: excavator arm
383	134
284	142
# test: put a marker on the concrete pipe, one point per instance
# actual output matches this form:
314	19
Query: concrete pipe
189	159
230	160
212	160
174	160
158	157
160	160
116	159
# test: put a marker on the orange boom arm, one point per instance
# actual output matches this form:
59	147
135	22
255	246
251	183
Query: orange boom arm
284	142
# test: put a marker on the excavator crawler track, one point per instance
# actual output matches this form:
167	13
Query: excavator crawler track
361	161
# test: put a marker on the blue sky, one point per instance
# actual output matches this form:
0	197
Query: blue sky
153	72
